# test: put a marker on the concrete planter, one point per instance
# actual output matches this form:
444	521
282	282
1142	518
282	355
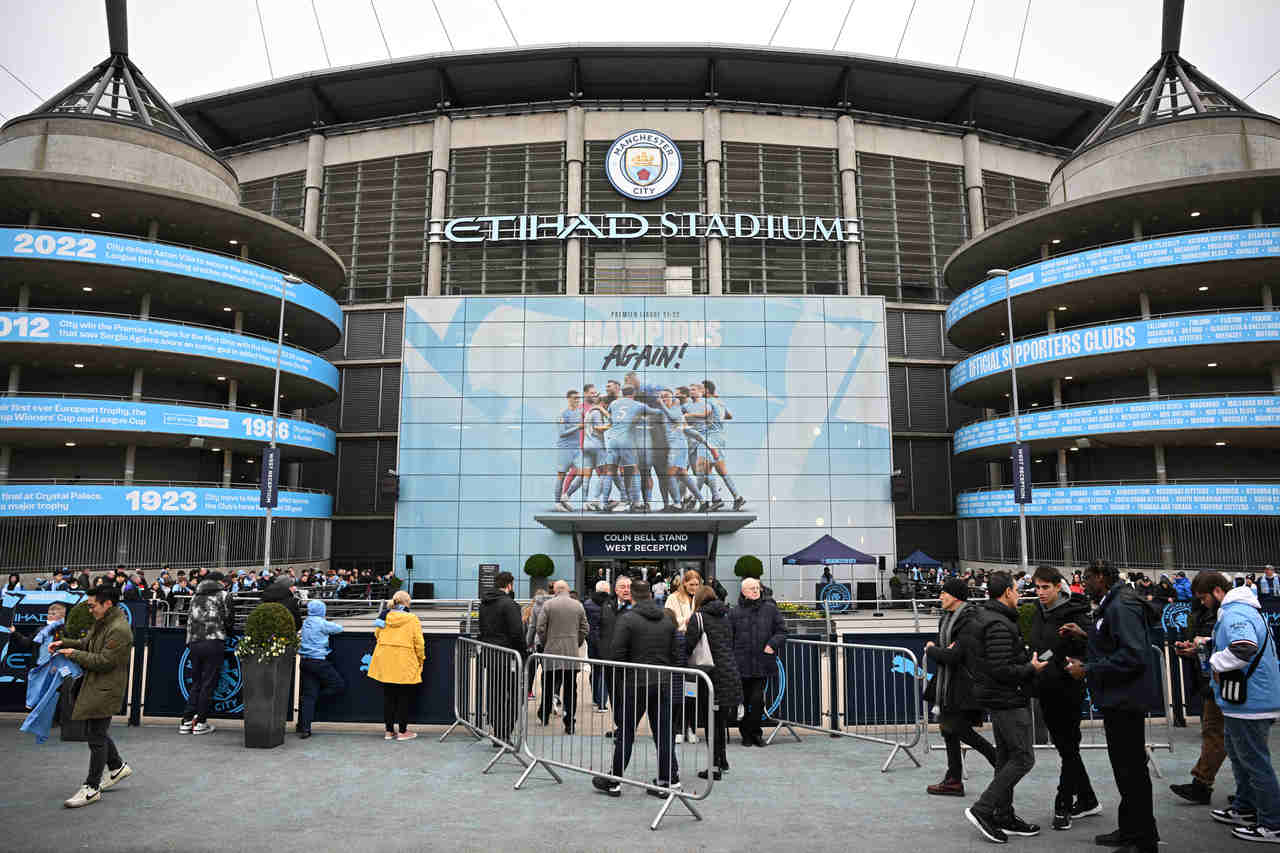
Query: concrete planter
267	690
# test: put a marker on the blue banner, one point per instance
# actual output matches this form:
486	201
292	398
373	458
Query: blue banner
126	333
1225	499
158	257
128	416
1159	333
1244	244
1200	413
154	500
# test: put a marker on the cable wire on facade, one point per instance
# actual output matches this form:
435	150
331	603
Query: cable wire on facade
903	37
1263	83
265	48
778	26
508	23
1018	58
443	28
320	30
964	37
381	32
22	82
840	32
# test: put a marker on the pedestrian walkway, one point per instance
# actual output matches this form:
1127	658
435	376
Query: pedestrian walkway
354	791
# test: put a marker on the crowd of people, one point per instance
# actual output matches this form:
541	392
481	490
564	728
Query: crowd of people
1094	647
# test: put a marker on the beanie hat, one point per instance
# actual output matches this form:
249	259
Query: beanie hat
956	588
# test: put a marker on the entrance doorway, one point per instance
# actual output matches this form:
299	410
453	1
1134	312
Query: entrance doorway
638	569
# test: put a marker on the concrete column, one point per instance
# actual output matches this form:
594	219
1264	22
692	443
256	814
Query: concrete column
847	162
1051	320
1255	216
441	136
33	219
1057	393
130	462
24	297
137	383
1166	532
1144	305
1275	378
226	469
6	455
1268	301
574	156
711	155
233	392
1044	251
244	251
238	322
144	309
1153	383
1137	229
313	184
153	230
973	183
993	475
15	379
1068	530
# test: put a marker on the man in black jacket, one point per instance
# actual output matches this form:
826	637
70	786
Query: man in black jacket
1002	670
1061	696
1122	685
610	613
500	625
645	635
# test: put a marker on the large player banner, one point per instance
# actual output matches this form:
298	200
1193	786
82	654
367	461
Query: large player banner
518	407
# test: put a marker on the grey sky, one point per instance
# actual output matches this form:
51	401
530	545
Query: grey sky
189	48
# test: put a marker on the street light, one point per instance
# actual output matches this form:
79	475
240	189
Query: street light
285	281
1017	425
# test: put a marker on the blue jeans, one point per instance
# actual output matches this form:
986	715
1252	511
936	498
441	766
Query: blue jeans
1250	754
319	678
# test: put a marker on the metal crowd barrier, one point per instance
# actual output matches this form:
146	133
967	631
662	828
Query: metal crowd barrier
1158	725
488	696
562	727
864	692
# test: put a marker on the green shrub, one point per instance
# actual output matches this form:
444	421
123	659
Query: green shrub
748	566
269	632
539	566
79	621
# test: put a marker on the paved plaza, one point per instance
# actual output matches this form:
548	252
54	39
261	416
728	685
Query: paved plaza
350	790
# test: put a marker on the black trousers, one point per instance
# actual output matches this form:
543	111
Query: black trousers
1126	747
751	726
102	750
503	698
720	731
564	682
635	701
319	678
957	728
1062	719
206	663
395	705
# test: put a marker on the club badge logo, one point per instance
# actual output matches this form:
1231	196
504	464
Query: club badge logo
226	691
643	164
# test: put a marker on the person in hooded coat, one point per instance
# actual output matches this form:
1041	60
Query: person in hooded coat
281	592
319	676
211	610
1061	696
711	619
397	663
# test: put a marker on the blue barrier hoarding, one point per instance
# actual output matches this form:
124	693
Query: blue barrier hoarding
1161	333
1209	413
130	416
502	396
36	500
1225	499
109	250
127	333
1242	244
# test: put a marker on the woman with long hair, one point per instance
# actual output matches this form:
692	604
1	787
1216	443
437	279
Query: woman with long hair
397	663
14	584
711	617
681	604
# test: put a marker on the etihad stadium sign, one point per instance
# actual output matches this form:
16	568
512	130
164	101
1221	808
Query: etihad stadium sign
644	165
634	226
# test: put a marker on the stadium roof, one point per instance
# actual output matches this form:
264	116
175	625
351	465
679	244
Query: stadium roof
659	75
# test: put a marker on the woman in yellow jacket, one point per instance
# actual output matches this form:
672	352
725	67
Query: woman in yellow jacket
397	663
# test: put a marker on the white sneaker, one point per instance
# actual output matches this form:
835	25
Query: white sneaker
111	777
184	728
621	507
564	503
679	738
203	728
692	738
83	797
1257	833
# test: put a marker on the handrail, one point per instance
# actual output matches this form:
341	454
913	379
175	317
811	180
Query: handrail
151	319
1146	238
165	400
1111	321
1111	401
143	238
95	481
1205	481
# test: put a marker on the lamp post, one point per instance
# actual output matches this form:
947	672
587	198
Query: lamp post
1017	423
285	281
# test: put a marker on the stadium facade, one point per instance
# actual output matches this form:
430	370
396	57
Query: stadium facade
502	227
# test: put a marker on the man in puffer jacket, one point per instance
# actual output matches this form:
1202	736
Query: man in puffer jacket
211	609
319	676
1003	669
1061	696
758	633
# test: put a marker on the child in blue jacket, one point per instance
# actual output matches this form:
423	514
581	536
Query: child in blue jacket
319	676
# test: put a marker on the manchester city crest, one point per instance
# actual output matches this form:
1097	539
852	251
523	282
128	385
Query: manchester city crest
643	164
